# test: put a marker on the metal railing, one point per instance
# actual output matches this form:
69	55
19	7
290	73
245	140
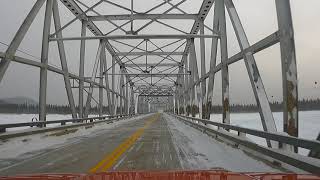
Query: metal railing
282	154
3	127
282	139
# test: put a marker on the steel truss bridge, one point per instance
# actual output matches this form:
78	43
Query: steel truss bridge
150	69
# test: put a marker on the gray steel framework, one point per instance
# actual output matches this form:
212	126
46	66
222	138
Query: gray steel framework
174	77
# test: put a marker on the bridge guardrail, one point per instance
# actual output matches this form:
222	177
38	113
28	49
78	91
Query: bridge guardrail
305	163
3	127
282	139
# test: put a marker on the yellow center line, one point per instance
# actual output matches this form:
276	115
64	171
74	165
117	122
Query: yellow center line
112	158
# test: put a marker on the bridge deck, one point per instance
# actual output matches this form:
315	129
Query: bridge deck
155	142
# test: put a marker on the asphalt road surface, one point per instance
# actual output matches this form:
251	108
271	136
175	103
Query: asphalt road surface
146	143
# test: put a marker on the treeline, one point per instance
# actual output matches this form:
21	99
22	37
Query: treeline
34	109
304	105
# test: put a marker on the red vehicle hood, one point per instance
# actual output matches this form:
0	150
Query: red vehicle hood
162	175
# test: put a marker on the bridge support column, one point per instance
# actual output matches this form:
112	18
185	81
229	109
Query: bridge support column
121	89
224	64
180	82
126	104
289	69
191	81
213	60
196	89
132	102
203	72
186	86
113	85
44	61
101	84
81	67
181	94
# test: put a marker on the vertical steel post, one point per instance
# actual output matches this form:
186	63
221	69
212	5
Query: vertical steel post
224	63
121	90
196	89
132	104
63	60
253	72
214	47
203	71
186	85
136	105
101	82
191	80
116	105
126	104
289	69
112	85
44	61
182	88
81	67
174	103
4	64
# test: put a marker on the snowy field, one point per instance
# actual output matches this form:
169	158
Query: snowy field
309	124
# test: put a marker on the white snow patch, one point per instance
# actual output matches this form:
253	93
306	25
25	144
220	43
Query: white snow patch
196	150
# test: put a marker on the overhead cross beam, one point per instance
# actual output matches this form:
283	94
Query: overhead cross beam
149	53
122	17
145	36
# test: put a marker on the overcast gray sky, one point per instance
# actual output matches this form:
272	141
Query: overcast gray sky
258	18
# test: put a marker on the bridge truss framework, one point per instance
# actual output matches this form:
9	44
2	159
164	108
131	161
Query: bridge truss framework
181	83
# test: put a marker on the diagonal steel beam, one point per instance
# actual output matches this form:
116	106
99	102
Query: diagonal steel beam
63	59
4	64
267	119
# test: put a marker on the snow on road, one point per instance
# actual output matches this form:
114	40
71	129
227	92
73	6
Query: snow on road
196	150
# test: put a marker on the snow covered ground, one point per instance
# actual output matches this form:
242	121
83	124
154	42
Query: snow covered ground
195	151
309	122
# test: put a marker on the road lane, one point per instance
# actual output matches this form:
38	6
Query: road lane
77	157
111	158
153	151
